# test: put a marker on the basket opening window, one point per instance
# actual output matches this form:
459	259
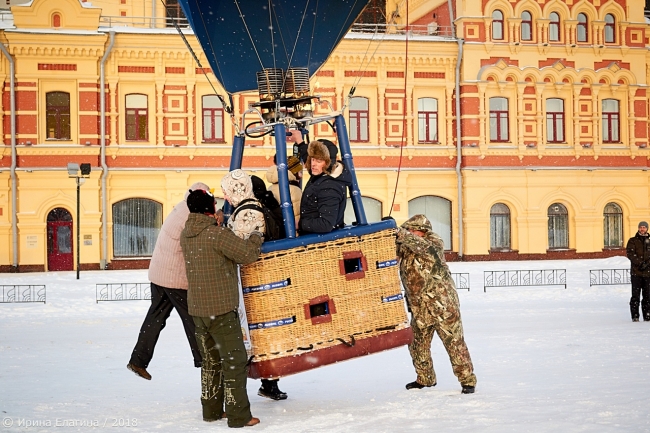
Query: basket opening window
320	310
353	265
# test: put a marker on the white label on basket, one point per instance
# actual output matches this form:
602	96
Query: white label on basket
270	286
392	298
272	324
386	264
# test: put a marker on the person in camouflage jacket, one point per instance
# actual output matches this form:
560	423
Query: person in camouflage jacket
211	256
433	301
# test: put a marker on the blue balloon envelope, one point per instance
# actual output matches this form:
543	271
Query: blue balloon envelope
242	37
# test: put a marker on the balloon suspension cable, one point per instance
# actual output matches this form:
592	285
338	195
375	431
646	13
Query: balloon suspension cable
243	20
401	146
362	70
295	44
271	31
227	107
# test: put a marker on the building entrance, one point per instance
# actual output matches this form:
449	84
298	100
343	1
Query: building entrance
59	240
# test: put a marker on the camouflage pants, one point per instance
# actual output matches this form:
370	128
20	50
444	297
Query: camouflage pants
223	371
450	330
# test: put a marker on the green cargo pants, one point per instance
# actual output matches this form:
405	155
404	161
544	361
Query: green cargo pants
223	372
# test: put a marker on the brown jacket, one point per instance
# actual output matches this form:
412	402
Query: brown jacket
211	257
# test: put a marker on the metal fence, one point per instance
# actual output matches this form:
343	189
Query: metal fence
412	30
526	277
143	22
22	293
609	277
123	292
461	280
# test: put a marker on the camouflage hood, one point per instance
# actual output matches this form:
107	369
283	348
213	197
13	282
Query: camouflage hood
418	222
422	223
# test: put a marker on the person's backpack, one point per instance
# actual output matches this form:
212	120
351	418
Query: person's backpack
274	228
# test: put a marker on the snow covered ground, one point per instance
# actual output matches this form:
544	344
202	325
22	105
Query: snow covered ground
547	360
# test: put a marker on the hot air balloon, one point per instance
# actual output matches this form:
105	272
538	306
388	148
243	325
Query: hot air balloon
310	300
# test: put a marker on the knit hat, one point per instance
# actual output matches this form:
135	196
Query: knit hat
643	223
196	185
259	187
294	165
237	185
201	201
418	222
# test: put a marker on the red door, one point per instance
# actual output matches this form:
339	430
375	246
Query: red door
59	240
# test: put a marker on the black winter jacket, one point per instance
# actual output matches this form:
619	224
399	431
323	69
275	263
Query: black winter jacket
322	207
638	251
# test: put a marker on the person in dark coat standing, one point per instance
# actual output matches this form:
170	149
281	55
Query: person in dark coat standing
322	207
168	290
211	256
638	251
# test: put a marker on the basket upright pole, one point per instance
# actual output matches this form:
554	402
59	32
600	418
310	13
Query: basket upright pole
283	180
346	153
236	158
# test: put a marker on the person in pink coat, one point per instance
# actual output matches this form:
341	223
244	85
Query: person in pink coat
168	290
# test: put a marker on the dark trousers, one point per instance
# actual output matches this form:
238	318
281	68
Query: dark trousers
640	286
163	301
223	373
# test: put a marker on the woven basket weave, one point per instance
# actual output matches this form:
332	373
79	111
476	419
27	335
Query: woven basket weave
361	304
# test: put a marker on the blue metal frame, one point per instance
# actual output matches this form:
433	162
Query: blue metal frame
291	241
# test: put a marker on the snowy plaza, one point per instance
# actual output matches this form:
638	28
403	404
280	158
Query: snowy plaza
548	359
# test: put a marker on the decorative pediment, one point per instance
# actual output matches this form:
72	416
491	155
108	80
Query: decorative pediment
57	15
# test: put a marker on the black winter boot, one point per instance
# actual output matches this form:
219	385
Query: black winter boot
269	389
417	385
468	389
634	310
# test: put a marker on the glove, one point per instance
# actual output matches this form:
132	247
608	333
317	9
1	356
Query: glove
643	266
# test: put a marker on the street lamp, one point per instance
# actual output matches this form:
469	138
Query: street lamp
73	172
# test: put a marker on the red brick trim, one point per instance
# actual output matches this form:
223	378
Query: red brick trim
137	69
430	75
56	67
174	70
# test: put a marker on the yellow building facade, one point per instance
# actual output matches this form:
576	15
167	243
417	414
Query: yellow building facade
553	126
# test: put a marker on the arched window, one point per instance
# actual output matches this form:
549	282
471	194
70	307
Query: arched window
56	21
497	25
526	26
555	120
610	29
498	119
427	120
582	28
554	27
611	121
136	224
499	227
212	119
57	115
371	206
359	119
137	117
438	211
613	226
558	227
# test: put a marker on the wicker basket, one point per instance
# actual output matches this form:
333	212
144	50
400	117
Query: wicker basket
320	295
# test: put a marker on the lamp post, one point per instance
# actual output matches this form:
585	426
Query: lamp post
74	170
